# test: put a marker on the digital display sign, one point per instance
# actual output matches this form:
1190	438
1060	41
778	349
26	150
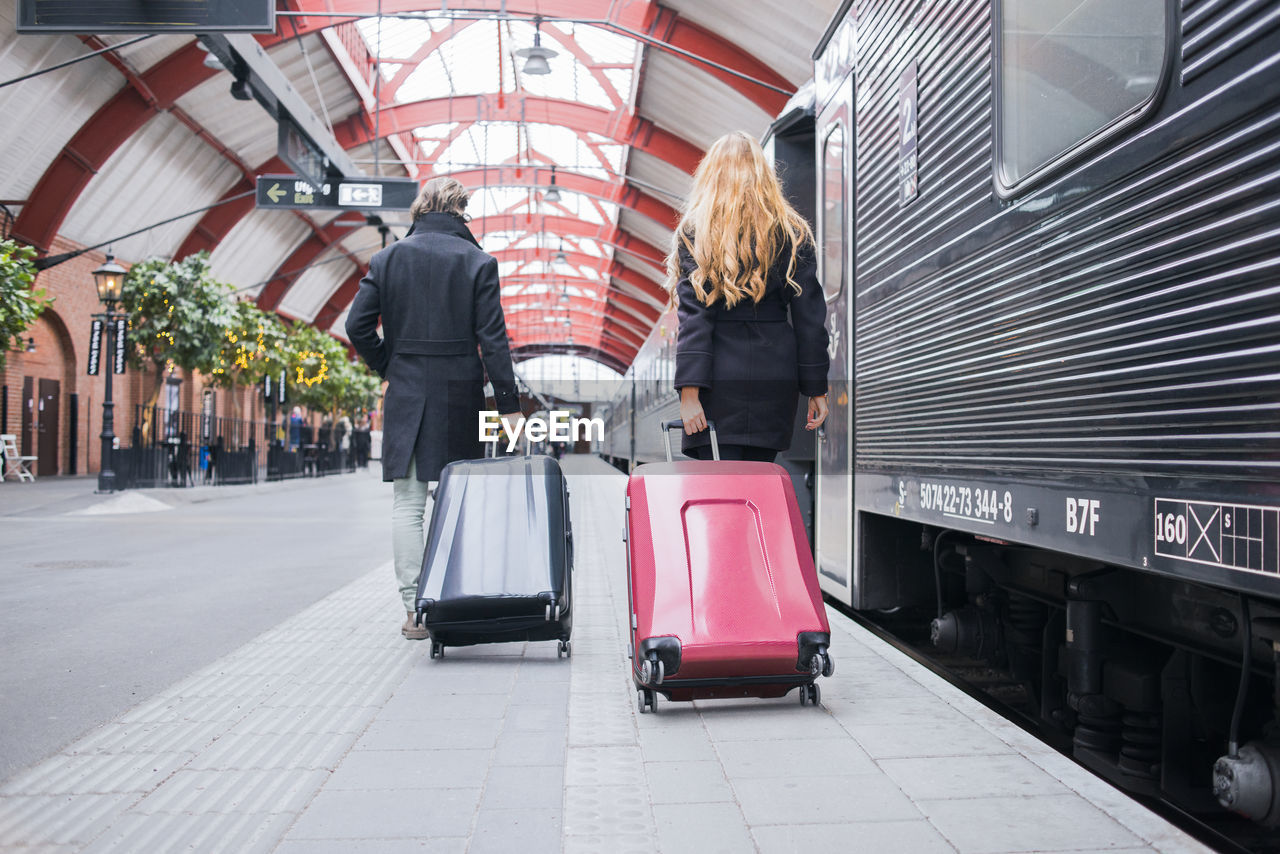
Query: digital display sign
146	16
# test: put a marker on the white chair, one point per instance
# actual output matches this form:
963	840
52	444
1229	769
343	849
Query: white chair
15	465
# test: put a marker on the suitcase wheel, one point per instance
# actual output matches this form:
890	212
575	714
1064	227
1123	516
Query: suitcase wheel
437	649
652	670
810	695
821	663
647	698
564	650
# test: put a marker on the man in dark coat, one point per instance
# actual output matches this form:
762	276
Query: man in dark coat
436	293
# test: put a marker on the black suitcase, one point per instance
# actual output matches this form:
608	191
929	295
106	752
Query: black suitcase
499	555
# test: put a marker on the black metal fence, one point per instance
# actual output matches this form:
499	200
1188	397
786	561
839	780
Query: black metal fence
170	447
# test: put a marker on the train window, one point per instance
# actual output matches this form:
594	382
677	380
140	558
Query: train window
834	214
1068	69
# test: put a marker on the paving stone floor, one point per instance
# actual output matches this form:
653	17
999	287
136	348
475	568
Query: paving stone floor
330	733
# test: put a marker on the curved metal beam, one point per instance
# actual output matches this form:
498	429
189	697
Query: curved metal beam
321	239
290	270
570	226
625	195
604	341
580	306
618	125
607	358
110	127
647	20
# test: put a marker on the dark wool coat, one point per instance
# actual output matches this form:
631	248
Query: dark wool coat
436	293
753	361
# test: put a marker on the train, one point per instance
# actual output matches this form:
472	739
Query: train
1049	238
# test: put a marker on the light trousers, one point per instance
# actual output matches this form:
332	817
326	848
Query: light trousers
408	541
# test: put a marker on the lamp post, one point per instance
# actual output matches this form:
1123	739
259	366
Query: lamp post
110	281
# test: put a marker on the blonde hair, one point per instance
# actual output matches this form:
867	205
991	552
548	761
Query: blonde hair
736	221
443	194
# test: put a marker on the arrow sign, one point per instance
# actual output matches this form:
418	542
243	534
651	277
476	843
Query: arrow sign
290	192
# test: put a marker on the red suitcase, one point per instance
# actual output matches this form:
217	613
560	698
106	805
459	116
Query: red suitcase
723	591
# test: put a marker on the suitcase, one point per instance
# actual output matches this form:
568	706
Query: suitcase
499	556
723	591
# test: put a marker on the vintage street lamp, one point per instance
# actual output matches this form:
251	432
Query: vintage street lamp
110	281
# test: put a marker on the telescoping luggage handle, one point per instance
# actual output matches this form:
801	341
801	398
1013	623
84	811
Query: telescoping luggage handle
666	436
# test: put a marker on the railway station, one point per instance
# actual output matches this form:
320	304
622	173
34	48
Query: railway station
832	426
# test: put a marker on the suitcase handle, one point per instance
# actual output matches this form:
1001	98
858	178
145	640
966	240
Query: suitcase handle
667	426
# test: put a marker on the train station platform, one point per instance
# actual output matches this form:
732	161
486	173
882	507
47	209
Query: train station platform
331	733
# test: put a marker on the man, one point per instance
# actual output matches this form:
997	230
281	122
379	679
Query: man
437	296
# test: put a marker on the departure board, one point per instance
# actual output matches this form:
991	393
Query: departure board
146	16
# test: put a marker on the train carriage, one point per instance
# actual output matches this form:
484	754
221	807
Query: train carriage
1049	241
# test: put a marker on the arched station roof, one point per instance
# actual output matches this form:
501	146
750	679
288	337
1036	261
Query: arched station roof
147	132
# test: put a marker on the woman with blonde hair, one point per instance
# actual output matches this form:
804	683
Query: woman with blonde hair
752	336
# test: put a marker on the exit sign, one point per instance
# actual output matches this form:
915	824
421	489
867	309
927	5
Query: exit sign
292	192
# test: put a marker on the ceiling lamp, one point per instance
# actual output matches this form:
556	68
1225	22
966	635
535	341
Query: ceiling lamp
552	194
560	257
535	58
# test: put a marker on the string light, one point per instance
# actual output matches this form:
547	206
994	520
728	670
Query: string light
320	375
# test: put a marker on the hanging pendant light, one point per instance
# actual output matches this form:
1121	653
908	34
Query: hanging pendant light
535	58
560	257
552	194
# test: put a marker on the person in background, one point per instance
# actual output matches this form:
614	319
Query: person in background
436	294
752	317
295	428
342	442
363	440
324	441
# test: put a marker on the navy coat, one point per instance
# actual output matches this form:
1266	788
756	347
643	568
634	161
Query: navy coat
436	293
752	361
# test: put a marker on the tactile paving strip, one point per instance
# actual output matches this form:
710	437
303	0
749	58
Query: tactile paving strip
280	712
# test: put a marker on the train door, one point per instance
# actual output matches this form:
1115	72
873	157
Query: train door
834	500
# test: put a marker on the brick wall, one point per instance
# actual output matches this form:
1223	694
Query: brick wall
61	353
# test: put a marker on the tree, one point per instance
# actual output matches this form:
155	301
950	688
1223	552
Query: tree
356	388
253	344
19	304
177	313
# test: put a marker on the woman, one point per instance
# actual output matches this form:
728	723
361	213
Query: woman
742	264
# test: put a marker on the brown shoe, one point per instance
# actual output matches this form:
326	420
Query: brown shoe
412	632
